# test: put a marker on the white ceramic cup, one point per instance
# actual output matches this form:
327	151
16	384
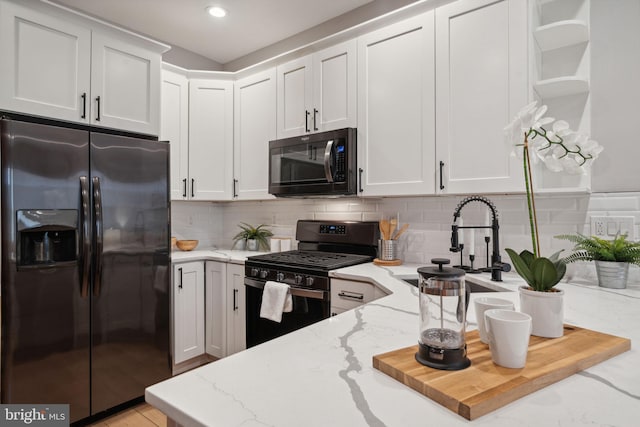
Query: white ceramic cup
508	333
483	304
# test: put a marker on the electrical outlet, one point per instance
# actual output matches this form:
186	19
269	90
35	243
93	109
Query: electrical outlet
598	225
608	226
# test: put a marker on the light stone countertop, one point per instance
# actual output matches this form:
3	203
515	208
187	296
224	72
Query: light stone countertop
213	254
322	375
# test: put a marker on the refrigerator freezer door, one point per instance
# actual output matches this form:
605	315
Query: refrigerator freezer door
130	315
45	320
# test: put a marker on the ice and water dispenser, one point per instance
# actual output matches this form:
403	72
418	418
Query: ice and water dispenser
46	237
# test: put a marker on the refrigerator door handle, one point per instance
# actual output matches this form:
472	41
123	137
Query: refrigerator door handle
97	224
86	242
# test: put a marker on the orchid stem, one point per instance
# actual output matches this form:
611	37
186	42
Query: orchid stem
533	220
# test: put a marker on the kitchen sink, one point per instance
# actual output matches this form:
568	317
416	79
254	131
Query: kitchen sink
473	287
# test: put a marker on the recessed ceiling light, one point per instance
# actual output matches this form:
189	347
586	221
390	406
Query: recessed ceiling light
216	11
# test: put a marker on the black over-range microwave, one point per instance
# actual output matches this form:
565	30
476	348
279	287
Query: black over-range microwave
320	164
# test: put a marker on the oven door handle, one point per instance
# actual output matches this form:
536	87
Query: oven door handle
296	292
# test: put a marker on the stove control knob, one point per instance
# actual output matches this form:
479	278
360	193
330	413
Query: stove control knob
280	276
254	272
264	274
309	281
298	279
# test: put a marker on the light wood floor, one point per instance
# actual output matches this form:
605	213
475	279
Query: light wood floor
143	415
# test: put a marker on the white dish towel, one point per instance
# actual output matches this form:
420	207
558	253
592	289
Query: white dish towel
276	299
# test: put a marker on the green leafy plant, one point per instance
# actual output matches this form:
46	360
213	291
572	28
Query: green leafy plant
561	149
540	273
596	249
259	233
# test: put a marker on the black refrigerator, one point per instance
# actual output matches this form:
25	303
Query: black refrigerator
85	266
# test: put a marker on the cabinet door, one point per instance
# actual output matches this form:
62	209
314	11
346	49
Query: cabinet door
396	115
295	90
174	127
125	85
236	309
45	64
334	87
254	127
210	139
215	316
188	313
481	75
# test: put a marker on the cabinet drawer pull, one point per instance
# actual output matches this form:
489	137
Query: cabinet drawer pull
441	168
180	285
315	125
235	300
360	189
184	187
193	184
306	120
352	295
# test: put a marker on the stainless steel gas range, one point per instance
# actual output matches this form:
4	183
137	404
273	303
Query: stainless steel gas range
322	246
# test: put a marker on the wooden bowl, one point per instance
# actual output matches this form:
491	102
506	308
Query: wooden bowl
186	245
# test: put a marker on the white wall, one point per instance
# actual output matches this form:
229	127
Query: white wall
430	221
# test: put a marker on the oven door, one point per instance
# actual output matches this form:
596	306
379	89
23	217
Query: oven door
309	306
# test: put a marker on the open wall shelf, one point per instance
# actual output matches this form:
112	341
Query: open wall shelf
561	34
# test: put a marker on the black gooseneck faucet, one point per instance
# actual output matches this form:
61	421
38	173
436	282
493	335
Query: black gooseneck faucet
497	266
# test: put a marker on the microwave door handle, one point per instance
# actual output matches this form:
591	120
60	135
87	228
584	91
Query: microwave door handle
327	161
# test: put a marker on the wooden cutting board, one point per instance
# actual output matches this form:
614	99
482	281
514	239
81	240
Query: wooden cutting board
485	386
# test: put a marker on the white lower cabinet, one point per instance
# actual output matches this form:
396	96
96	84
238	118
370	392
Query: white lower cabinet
349	294
215	317
236	309
188	311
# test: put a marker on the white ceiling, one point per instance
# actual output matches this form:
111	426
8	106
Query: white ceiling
249	25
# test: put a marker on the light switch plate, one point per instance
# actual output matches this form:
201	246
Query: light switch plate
607	227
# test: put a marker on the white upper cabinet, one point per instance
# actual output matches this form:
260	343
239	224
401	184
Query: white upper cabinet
396	108
125	85
45	66
335	87
317	92
254	127
174	127
210	140
481	83
59	65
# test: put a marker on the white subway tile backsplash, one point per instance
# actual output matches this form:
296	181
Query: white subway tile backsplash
429	219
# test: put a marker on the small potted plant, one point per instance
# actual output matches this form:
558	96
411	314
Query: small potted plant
612	257
539	138
255	237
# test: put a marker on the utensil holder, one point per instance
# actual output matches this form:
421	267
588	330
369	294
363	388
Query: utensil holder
387	249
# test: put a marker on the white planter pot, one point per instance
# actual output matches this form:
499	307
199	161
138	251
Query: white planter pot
252	245
612	274
546	311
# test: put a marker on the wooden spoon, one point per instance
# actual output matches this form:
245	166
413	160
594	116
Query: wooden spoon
392	226
400	231
384	229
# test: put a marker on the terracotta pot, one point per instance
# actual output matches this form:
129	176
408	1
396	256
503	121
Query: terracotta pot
546	310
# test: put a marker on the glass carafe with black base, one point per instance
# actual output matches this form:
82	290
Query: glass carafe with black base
443	309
